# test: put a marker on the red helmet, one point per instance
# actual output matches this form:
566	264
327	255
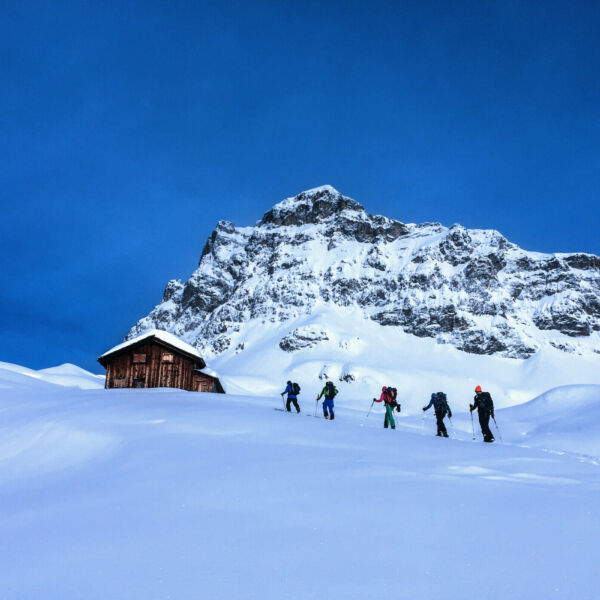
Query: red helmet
384	389
478	388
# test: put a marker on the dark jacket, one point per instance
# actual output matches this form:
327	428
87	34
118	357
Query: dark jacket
483	403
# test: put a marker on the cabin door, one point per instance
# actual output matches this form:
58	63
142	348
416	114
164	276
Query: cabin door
139	376
204	386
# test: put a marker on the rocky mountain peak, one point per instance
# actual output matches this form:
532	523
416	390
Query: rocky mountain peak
309	207
343	217
469	288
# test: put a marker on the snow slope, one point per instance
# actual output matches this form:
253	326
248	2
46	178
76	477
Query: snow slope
564	418
69	375
160	494
362	356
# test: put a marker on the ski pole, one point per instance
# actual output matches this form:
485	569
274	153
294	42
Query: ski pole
498	428
423	423
316	407
472	426
371	407
452	426
283	402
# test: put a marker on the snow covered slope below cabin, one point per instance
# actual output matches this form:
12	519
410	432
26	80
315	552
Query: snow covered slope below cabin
166	494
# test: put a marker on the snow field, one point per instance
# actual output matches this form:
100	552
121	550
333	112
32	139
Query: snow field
166	494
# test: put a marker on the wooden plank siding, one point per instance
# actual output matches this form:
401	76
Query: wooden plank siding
153	363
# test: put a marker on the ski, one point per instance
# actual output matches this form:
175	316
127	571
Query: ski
292	412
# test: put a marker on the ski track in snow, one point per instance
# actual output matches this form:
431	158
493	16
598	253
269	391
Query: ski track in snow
168	494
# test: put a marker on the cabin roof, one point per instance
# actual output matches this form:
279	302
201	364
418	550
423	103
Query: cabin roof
208	372
157	334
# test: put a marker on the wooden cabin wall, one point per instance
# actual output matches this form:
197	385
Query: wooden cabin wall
122	371
205	383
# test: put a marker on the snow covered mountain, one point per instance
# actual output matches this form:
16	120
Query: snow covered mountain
319	270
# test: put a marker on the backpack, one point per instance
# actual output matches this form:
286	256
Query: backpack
392	393
330	390
442	401
485	401
295	388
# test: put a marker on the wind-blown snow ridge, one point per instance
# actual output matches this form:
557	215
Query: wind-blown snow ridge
66	375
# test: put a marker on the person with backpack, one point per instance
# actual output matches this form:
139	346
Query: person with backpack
485	407
329	392
292	390
441	409
388	397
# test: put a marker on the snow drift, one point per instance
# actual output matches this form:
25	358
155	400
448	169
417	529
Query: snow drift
64	375
564	418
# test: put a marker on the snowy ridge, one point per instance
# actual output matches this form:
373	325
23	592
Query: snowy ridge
320	260
562	419
67	375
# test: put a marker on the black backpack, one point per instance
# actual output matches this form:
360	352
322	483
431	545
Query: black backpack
295	388
392	393
442	401
485	401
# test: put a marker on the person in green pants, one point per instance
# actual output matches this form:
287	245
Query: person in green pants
388	397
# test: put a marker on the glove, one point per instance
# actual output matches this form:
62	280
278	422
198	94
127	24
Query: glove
449	415
493	417
398	408
424	409
471	407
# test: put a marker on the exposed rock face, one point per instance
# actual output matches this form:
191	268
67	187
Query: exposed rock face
303	337
469	288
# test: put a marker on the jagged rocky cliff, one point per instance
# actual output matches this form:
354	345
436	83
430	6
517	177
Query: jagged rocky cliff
472	289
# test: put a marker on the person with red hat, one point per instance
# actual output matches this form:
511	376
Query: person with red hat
485	408
388	397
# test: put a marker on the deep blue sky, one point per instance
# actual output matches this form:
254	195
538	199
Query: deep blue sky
128	132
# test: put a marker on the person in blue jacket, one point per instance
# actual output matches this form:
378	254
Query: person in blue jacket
292	390
441	408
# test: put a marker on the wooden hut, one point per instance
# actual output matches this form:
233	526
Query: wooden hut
158	359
